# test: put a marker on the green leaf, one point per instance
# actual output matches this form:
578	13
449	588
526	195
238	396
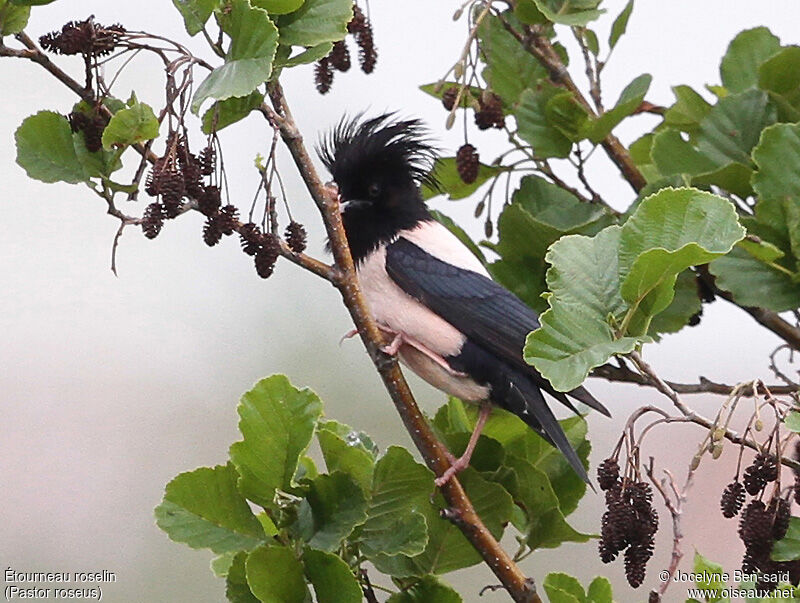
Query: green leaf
278	7
526	12
788	548
227	112
309	55
334	505
341	451
779	73
599	591
136	123
460	234
792	421
734	178
315	22
203	509
396	524
236	587
674	155
437	90
13	18
733	126
277	422
746	52
331	578
248	62
776	182
195	13
592	43
669	232
569	12
510	68
451	184
629	100
221	565
540	213
754	283
48	151
532	491
575	337
620	24
534	126
563	588
684	306
275	576
565	113
429	589
688	111
715	583
447	548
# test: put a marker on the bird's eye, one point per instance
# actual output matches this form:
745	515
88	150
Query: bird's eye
374	190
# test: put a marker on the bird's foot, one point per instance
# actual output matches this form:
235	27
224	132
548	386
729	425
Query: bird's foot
392	348
456	466
349	335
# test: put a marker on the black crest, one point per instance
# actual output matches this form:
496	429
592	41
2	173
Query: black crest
378	165
383	145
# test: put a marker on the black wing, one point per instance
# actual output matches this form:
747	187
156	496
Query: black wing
483	310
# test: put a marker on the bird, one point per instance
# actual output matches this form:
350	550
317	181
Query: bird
444	315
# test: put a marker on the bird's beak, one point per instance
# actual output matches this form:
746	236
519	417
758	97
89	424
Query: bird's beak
354	203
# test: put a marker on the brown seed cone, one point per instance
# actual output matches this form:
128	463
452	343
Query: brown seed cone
250	237
356	24
732	499
755	528
491	112
228	217
210	201
368	53
323	75
340	56
608	474
763	470
636	557
467	163
781	512
295	236
207	160
449	98
267	256
211	231
152	220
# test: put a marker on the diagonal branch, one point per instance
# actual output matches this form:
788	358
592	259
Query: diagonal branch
516	583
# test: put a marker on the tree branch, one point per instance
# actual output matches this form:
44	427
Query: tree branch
516	583
623	374
542	49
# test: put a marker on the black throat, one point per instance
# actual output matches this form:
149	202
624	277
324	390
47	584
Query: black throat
368	227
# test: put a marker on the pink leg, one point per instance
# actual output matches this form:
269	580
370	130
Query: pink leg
348	335
462	462
391	349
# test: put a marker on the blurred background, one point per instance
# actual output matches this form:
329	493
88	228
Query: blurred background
110	386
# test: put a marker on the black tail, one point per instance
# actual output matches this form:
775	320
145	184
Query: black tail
525	400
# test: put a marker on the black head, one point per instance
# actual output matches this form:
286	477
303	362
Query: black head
378	165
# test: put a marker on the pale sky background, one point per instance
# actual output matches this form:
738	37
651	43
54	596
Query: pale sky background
109	387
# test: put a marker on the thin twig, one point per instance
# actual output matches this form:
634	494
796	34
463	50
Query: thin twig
674	504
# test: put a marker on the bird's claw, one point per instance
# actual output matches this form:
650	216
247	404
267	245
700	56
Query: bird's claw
350	334
456	466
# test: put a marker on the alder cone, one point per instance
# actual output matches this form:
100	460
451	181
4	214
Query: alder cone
467	163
